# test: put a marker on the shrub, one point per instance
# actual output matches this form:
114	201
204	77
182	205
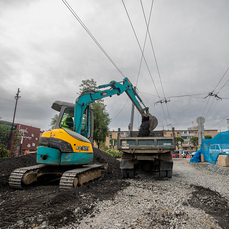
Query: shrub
114	153
4	152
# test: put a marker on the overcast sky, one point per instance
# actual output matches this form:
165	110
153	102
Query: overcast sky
46	53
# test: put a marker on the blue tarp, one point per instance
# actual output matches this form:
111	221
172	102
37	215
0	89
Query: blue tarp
196	157
212	148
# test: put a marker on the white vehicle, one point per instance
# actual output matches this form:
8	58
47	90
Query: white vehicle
219	148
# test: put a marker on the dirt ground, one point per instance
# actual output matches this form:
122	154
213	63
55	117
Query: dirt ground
30	207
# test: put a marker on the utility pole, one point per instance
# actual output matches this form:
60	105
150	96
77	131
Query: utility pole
10	142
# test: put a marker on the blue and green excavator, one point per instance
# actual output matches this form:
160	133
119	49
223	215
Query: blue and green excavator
66	151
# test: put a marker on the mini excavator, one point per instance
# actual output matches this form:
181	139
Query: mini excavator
66	151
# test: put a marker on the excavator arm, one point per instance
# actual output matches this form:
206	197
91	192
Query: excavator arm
116	88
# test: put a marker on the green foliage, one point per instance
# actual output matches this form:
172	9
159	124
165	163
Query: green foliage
113	141
101	122
194	141
114	153
208	137
4	152
179	139
4	135
101	116
88	85
54	119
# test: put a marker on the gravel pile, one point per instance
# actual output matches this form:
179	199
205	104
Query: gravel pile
197	196
187	200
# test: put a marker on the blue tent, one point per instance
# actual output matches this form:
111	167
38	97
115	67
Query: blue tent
212	148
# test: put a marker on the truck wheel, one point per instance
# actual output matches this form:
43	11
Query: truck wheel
124	173
131	173
162	173
169	173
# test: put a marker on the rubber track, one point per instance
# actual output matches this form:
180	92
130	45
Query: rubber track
67	179
15	180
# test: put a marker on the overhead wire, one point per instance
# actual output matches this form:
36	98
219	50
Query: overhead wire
142	50
155	58
221	80
215	94
220	121
120	111
91	35
140	47
96	41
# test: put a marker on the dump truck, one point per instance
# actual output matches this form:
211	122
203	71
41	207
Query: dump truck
146	154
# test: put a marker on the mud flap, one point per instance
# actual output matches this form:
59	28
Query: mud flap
166	168
126	164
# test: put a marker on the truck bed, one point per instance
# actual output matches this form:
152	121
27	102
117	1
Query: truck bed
146	144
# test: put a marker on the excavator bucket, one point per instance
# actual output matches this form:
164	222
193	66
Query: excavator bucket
149	123
152	123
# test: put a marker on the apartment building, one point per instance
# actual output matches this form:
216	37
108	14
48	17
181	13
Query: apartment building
187	135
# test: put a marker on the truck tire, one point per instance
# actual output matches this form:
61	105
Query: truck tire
162	173
124	173
131	173
169	173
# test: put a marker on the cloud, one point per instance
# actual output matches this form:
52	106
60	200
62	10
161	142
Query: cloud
46	53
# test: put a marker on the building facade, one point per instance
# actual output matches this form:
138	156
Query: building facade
29	137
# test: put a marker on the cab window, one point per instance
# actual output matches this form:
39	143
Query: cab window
67	119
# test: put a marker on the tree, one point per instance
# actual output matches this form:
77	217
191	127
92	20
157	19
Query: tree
113	142
101	116
208	137
4	138
88	85
101	122
179	139
54	119
194	141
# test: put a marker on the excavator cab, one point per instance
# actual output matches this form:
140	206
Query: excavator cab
64	146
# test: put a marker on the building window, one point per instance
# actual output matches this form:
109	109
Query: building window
178	133
110	136
208	132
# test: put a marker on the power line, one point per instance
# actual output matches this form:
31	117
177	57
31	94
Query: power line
120	111
215	94
220	121
154	54
91	35
140	46
221	80
147	24
142	50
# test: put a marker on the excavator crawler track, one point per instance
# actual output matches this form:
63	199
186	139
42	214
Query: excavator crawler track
16	177
22	177
75	177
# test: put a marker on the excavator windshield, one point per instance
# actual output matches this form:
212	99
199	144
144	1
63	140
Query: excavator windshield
67	118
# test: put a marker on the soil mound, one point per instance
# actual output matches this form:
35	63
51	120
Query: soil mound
113	169
7	165
47	204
